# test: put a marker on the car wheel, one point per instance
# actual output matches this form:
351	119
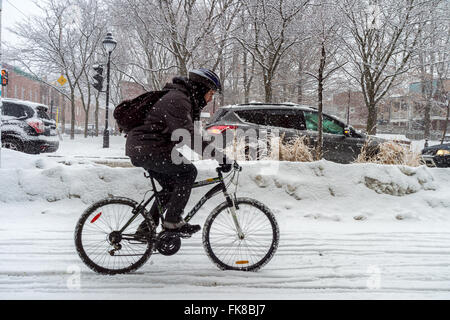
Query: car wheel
12	144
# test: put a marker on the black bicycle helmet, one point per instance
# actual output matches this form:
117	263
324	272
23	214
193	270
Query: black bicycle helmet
206	77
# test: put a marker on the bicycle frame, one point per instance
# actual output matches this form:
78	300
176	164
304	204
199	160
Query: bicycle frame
219	180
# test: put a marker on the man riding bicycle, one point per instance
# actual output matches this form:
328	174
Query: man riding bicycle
150	145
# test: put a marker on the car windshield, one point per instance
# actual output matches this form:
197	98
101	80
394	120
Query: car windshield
217	115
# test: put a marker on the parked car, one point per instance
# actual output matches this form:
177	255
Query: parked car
26	127
437	155
340	144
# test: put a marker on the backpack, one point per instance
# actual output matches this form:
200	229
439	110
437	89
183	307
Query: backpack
130	114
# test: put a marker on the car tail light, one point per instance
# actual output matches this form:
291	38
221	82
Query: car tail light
37	125
220	129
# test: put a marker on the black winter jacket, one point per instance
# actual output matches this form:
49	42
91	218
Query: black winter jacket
173	111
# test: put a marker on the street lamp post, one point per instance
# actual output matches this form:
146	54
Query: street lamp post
109	44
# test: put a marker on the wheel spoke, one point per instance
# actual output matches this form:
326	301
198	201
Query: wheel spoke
260	240
98	233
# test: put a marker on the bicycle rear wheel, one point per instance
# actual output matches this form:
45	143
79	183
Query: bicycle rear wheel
249	253
102	246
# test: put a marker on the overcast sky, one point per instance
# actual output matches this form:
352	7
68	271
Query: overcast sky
14	11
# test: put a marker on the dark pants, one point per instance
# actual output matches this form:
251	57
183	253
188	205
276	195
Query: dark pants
176	181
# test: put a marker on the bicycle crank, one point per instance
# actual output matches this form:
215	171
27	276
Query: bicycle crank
168	243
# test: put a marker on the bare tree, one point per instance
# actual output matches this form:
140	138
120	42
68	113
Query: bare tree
432	63
326	26
382	37
60	43
272	31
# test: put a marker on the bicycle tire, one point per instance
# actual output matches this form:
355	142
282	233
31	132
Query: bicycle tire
212	232
81	231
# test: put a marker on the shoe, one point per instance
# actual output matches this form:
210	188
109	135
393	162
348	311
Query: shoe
143	228
181	227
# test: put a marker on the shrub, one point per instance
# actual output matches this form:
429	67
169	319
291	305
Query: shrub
389	152
272	148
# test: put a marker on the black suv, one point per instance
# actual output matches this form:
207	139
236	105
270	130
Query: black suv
341	144
437	155
27	127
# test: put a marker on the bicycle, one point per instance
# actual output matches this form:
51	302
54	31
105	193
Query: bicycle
239	234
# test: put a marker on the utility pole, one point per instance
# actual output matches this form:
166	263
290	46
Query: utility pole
348	109
1	103
106	131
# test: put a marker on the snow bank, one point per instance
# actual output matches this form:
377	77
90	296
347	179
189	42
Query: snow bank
316	190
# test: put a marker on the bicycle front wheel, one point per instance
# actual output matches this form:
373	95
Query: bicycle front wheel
101	244
248	252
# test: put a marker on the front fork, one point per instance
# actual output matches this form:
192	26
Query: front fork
232	208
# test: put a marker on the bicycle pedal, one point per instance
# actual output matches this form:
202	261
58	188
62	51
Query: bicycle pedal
185	235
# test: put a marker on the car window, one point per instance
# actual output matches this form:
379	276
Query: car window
285	119
329	125
252	116
276	118
17	110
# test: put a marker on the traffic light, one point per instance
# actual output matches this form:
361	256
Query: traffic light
98	77
4	78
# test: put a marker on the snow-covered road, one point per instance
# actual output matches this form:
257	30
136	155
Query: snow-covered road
41	263
358	231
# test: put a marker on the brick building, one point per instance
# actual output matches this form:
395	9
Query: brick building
400	113
24	86
130	90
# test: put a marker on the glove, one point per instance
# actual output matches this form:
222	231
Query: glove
226	165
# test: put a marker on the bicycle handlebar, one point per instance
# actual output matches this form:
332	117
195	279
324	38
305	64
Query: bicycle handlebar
236	167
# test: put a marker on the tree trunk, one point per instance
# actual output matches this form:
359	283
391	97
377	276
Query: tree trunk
300	83
319	147
222	77
372	119
86	122
63	115
72	120
446	122
427	120
268	87
182	67
245	77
